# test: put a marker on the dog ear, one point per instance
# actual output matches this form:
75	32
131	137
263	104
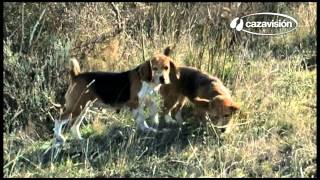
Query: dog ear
222	103
203	103
145	72
174	72
234	107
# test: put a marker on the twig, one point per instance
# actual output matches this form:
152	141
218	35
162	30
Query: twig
116	10
9	37
15	161
142	39
177	161
53	103
22	28
16	115
310	105
33	164
142	153
35	27
51	116
265	77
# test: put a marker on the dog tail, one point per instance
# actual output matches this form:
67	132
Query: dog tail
75	68
168	50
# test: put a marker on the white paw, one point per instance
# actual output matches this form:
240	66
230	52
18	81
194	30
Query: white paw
80	138
75	133
150	129
155	120
59	140
168	118
145	128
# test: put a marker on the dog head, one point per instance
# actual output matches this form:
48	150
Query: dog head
163	68
160	69
220	108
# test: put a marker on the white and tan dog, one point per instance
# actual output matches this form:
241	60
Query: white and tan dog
132	89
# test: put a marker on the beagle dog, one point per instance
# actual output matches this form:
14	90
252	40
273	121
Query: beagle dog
206	92
131	88
163	69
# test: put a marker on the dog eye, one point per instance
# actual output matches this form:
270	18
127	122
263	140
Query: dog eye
166	68
227	115
155	68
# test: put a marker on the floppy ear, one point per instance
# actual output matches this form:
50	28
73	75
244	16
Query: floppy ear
222	103
174	72
204	103
145	72
234	107
217	103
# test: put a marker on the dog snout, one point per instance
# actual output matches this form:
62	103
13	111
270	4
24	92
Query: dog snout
161	79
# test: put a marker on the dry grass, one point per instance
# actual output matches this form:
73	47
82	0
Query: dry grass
274	135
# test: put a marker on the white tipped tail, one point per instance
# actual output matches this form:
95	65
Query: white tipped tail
75	67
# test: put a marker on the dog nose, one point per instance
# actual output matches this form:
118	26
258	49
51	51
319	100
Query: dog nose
161	80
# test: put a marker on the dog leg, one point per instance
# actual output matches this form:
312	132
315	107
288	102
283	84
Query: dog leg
168	118
57	131
149	102
154	114
154	106
145	89
178	117
140	120
138	113
75	129
178	109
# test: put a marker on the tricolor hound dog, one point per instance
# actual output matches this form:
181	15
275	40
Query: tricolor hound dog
130	88
206	92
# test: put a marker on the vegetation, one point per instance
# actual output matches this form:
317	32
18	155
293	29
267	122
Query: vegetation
274	135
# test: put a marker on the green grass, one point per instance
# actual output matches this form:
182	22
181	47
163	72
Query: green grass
273	136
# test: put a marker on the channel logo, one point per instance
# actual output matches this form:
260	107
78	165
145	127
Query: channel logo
285	22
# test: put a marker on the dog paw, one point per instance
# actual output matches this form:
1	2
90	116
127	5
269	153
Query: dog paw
152	130
59	141
148	130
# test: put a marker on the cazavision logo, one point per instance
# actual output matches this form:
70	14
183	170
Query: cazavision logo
283	22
